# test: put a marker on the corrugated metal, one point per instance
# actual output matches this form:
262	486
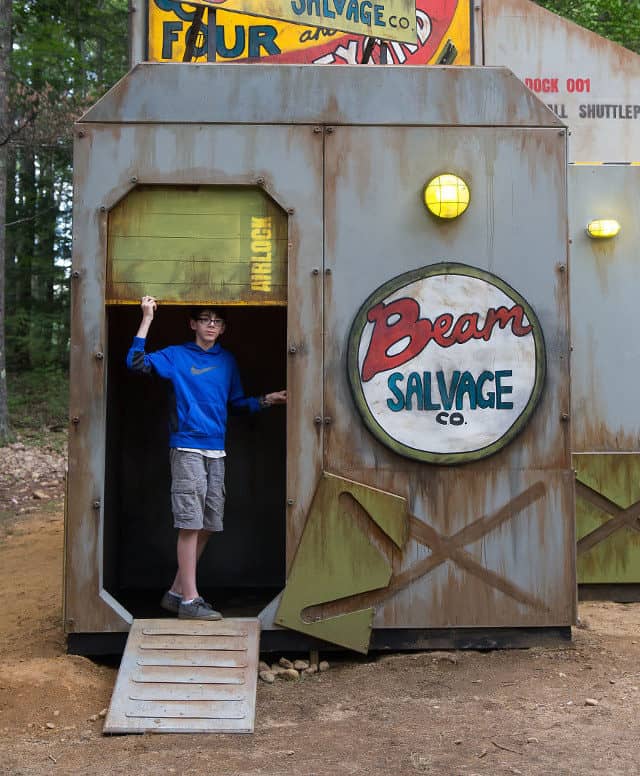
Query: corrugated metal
183	676
589	81
294	94
605	277
509	517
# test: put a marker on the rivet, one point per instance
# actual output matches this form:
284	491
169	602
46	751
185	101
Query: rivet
99	356
293	350
291	211
133	179
81	133
327	271
96	504
317	130
75	420
317	420
564	417
562	267
103	209
330	130
75	274
290	502
561	133
260	181
327	421
70	621
315	271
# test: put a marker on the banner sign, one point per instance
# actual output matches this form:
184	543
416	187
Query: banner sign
442	36
446	363
385	19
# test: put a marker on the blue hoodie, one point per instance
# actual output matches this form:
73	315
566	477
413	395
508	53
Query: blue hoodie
205	384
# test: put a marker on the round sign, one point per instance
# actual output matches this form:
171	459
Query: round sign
446	363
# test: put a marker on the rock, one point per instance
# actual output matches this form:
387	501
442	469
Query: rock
458	741
50	725
562	676
476	697
40	494
290	674
277	669
323	665
591	702
285	663
86	735
93	718
300	665
267	676
262	666
532	740
313	669
103	713
289	752
56	713
448	657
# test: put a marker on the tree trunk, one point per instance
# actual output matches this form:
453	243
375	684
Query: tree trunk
5	51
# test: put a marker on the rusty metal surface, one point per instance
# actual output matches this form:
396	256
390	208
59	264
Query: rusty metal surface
351	537
109	162
214	245
292	94
183	676
605	277
608	518
137	32
591	82
493	541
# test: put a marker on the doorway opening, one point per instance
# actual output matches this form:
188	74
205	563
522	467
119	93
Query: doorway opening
242	568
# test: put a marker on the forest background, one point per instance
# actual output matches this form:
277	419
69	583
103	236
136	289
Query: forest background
57	57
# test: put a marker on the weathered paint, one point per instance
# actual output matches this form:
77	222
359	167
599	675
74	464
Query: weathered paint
307	94
589	81
516	565
446	363
442	27
492	543
289	162
608	518
348	547
604	277
176	243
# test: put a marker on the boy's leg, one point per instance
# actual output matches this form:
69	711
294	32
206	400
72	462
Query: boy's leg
178	586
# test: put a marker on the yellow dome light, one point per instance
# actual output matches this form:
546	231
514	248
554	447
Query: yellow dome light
446	196
602	228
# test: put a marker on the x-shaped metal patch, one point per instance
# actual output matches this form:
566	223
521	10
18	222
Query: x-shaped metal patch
620	518
445	548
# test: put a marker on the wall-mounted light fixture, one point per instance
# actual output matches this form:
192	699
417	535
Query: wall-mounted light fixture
602	228
446	196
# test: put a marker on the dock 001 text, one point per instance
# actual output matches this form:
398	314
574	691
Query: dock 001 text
446	363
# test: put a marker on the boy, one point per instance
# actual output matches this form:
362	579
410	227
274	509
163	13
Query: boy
205	382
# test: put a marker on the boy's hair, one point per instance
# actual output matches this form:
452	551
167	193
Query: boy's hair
196	312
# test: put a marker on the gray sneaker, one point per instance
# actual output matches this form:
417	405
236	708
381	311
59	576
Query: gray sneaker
171	603
198	609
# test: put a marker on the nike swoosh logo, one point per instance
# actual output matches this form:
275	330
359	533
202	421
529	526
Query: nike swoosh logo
195	371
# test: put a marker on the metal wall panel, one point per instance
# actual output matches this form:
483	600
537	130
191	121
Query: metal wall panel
293	94
605	277
515	227
110	161
589	81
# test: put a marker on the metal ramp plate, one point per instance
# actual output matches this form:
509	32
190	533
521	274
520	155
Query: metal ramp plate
187	676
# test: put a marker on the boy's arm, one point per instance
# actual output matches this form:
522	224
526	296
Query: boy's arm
240	403
137	359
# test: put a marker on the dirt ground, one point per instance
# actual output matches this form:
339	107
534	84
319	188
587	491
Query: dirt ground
473	714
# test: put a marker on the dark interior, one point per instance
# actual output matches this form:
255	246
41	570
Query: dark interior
243	567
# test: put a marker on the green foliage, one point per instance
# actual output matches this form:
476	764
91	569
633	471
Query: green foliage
38	401
618	20
65	56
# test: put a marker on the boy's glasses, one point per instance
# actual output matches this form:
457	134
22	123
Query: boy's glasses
217	322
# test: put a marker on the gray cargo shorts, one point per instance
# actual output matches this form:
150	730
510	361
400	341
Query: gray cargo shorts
197	491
